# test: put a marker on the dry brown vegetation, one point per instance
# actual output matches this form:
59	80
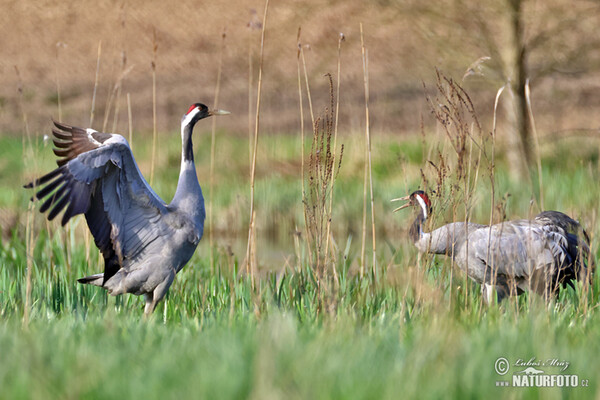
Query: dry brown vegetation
55	44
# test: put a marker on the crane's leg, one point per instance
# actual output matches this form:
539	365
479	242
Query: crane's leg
486	293
152	299
149	297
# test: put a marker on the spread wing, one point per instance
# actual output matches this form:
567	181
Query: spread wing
98	177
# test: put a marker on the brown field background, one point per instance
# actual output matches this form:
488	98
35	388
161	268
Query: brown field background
55	44
49	51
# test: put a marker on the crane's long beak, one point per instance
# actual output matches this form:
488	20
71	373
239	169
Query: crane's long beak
219	112
405	198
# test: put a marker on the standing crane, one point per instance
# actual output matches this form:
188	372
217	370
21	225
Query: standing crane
541	254
143	240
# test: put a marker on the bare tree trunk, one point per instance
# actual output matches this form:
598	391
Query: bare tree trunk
520	154
515	151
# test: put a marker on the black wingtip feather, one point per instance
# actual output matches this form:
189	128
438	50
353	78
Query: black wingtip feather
42	180
60	205
67	215
79	202
56	196
46	190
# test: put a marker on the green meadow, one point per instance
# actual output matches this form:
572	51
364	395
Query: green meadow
404	326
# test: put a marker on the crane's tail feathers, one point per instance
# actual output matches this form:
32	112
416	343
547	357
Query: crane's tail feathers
96	280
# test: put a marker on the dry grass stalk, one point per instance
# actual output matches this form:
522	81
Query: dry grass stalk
119	87
154	132
364	219
58	101
297	250
454	110
536	142
250	257
29	244
29	154
335	132
250	94
115	94
368	169
302	144
493	156
310	106
93	108
87	238
320	172
129	121
492	175
212	149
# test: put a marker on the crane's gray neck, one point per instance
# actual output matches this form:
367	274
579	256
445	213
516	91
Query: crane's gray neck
436	242
187	152
188	196
416	229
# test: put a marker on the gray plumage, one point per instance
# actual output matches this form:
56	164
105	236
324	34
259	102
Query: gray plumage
143	240
542	254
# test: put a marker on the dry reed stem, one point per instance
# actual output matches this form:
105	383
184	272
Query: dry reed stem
302	143
118	94
58	101
454	110
93	107
321	171
492	178
95	91
154	132
310	106
335	131
212	148
29	245
129	121
250	97
364	221
536	142
249	258
28	152
365	59
92	113
59	104
114	93
297	247
130	135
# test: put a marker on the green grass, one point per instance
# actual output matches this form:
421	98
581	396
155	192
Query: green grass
407	331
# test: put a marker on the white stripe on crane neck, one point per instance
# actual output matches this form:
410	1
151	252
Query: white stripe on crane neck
422	204
189	116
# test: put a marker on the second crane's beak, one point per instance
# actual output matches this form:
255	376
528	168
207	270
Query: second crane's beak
405	198
219	112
